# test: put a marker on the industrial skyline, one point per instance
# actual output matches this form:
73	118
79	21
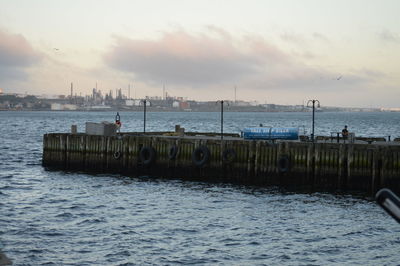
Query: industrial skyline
275	51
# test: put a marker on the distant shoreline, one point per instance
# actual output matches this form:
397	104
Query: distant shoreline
197	111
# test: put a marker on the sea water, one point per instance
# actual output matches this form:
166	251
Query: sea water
69	218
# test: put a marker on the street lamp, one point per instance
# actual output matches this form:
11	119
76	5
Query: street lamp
222	117
313	115
144	115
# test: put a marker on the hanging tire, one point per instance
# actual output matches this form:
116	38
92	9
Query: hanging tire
147	155
117	155
200	156
283	164
173	151
229	156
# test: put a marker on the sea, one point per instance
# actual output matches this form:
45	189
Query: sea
76	218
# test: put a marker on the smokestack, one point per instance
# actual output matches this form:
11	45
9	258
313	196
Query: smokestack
235	93
164	96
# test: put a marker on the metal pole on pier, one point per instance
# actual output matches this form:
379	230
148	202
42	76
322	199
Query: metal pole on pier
144	115
313	116
222	118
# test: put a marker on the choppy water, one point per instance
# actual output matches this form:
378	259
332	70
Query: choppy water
59	218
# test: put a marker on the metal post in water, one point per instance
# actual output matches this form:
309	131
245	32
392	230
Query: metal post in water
313	116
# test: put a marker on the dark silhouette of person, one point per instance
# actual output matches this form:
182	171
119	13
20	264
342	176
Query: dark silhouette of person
345	132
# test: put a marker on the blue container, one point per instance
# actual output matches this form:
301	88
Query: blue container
287	133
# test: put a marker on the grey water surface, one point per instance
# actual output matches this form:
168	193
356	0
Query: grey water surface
66	218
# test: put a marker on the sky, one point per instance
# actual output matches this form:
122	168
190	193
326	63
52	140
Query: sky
343	53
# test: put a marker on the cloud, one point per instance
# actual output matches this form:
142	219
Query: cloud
12	74
320	36
389	36
293	37
216	58
16	54
181	58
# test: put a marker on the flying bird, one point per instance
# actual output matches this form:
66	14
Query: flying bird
339	78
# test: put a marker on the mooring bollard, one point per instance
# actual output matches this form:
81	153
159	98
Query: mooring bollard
74	129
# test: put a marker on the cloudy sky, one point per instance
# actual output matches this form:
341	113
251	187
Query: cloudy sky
343	52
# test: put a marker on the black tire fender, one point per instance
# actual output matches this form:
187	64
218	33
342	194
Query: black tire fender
229	155
147	155
117	155
200	156
283	164
173	151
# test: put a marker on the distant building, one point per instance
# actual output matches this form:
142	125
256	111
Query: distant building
242	103
70	107
1	91
49	97
57	106
184	105
129	102
61	107
99	107
135	103
390	109
175	104
181	105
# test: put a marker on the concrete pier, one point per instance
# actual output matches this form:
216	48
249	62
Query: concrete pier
326	165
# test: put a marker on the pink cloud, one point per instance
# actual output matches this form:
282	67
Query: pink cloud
181	58
212	58
15	50
16	53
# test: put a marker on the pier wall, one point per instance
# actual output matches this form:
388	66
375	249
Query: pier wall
328	166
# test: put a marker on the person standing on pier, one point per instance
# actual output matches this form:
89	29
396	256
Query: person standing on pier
345	132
